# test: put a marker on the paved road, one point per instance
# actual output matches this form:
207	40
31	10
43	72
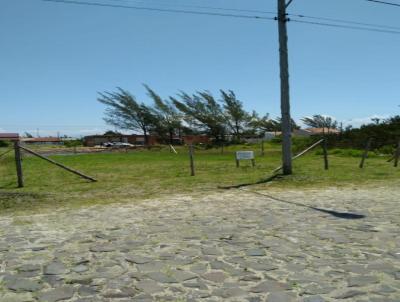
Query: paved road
227	246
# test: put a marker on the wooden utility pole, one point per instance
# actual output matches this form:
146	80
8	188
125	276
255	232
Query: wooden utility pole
18	163
285	96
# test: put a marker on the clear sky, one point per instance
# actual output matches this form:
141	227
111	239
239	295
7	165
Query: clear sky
54	58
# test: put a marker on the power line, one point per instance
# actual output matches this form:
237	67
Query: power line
204	7
347	26
268	12
181	11
384	2
378	28
345	21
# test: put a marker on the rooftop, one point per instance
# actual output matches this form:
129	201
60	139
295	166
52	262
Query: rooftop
9	136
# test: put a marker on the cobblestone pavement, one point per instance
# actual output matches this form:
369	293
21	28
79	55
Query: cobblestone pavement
224	246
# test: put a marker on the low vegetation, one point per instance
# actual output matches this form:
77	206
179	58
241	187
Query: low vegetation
141	174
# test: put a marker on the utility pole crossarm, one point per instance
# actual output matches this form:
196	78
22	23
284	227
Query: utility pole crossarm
287	4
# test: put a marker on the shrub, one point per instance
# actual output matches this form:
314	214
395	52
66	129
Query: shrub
388	149
73	143
3	144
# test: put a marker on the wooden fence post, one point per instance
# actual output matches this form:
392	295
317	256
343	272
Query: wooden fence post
325	148
365	155
18	163
262	148
192	172
397	155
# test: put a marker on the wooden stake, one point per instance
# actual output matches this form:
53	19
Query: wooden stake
397	155
365	155
172	149
192	172
4	153
262	148
325	148
58	164
300	154
18	163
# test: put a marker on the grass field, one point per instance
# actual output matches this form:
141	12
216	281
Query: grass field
137	175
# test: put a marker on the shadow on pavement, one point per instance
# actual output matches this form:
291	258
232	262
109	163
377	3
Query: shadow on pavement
262	181
342	215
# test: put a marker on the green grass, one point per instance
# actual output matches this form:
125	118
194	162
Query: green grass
137	175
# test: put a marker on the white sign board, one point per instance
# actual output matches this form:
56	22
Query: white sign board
244	155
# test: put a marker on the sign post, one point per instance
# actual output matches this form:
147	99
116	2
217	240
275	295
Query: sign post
245	155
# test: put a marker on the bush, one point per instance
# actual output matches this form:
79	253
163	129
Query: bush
3	144
346	152
277	140
301	143
73	143
388	149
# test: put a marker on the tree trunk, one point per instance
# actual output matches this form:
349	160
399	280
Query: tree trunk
180	135
237	131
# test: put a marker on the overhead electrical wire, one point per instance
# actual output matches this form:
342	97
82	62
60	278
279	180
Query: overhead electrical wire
347	27
344	21
384	2
201	7
361	26
181	11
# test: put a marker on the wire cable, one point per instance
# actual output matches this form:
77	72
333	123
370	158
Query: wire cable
347	26
264	12
370	27
165	10
202	7
345	21
384	2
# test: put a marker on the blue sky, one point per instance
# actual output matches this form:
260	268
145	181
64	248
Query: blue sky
54	58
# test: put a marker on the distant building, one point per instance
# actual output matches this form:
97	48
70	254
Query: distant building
99	140
42	141
319	131
139	140
9	136
271	135
301	133
195	139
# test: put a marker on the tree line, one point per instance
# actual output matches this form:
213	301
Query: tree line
222	118
385	135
